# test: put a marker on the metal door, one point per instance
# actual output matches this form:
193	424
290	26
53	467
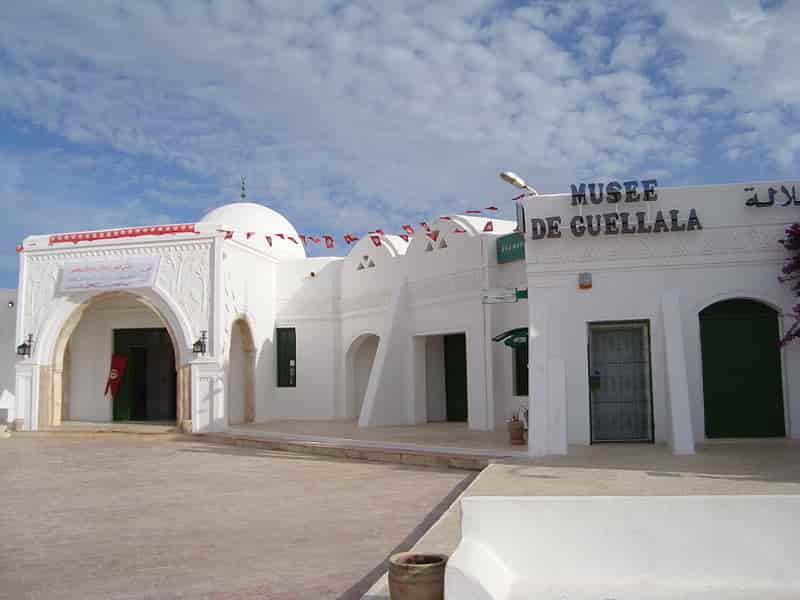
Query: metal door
621	404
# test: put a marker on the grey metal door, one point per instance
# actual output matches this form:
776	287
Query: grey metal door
619	382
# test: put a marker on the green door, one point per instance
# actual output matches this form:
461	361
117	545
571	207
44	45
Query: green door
147	391
742	384
455	376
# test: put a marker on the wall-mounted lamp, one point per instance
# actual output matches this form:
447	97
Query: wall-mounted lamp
24	349
313	274
199	347
10	304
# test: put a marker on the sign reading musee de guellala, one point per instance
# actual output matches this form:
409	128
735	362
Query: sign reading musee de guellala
630	215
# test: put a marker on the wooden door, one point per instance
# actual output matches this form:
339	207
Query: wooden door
455	375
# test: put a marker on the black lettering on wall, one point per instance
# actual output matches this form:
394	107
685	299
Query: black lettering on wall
611	223
631	191
694	222
538	229
626	226
673	217
578	194
614	192
641	226
649	186
660	224
577	226
593	225
596	198
553	227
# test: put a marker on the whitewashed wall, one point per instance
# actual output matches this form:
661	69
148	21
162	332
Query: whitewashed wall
8	356
736	254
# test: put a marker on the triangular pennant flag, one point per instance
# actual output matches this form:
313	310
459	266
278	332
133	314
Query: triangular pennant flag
379	232
489	226
302	239
269	240
20	248
459	230
490	208
520	197
228	234
446	218
376	239
250	234
404	236
288	237
425	226
280	235
408	229
328	241
316	240
349	238
433	235
472	211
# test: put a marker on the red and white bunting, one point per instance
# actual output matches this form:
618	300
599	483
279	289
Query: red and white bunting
404	237
492	208
228	233
408	229
250	234
489	226
20	248
269	240
459	230
302	238
425	226
328	241
280	235
110	234
446	218
379	232
434	235
288	237
472	211
350	238
316	240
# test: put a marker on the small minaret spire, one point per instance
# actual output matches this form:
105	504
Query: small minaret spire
243	195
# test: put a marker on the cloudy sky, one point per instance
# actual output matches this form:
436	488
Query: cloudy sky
349	116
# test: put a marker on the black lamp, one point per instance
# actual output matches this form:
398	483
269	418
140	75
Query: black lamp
199	347
24	349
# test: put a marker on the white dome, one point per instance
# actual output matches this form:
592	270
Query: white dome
242	217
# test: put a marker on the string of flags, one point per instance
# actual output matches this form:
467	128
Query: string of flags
328	240
374	236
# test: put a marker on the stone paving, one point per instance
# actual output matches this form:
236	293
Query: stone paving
160	517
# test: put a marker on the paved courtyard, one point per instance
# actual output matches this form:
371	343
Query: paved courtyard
118	516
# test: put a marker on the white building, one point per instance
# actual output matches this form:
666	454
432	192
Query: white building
397	333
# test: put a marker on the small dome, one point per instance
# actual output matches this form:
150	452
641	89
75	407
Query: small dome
243	217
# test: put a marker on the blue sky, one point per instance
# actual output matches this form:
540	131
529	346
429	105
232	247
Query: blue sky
350	116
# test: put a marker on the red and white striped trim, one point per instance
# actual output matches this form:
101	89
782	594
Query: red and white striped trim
90	236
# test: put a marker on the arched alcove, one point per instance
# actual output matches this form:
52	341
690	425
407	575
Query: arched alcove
360	357
241	374
741	367
72	386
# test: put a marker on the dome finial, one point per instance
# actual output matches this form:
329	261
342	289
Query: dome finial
243	195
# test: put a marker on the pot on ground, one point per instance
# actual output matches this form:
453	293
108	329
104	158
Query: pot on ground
516	432
416	576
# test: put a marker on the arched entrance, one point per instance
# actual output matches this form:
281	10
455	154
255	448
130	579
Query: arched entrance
127	326
360	357
241	375
742	380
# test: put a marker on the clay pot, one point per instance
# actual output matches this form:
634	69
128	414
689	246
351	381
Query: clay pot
416	576
516	432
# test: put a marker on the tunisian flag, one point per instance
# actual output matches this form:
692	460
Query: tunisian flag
115	374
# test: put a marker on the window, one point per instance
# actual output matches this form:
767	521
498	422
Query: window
285	339
521	370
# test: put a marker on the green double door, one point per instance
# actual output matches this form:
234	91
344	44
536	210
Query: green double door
455	376
742	382
147	390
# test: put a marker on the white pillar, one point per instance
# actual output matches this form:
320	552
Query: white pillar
681	438
26	392
208	396
547	421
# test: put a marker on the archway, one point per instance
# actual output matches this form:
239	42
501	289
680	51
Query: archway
741	365
118	323
360	357
241	374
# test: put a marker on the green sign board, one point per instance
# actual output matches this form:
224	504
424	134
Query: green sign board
510	247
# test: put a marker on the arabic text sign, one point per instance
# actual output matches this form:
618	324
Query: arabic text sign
771	196
500	296
133	272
